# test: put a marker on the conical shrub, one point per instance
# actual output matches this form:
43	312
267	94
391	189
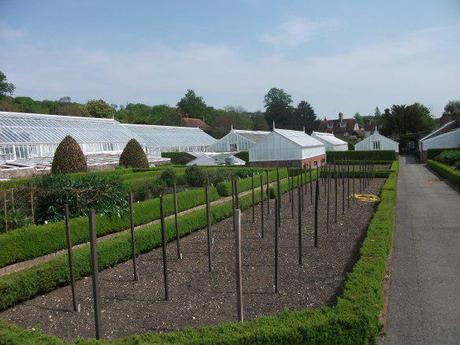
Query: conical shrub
68	157
133	156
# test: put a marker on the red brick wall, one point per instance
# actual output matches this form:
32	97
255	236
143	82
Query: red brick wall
290	163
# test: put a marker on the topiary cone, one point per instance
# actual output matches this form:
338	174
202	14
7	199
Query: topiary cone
68	157
133	156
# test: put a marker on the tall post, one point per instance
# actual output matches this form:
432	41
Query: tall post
348	184
289	185
94	268
32	206
70	257
328	187
239	284
261	206
292	196
316	213
208	223
268	192
335	190
305	186
276	242
278	193
343	188
133	239
176	222
233	205
311	185
354	178
299	216
360	177
163	242
301	186
5	211
253	199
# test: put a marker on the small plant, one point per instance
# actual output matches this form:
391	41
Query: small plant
195	176
15	219
224	188
449	157
271	192
168	176
133	155
68	158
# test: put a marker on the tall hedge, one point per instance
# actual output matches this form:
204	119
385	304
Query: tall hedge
432	153
383	155
133	156
69	157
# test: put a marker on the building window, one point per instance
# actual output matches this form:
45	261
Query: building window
233	148
376	145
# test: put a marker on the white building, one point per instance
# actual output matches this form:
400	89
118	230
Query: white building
377	142
284	147
215	158
172	138
330	141
445	137
238	140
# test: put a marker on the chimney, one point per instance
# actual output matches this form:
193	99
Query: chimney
341	117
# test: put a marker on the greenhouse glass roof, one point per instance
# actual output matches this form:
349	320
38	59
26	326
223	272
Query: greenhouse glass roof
171	137
25	128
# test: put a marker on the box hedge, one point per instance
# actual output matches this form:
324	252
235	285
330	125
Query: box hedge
353	320
432	153
384	155
446	171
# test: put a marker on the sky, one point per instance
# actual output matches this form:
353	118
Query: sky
339	55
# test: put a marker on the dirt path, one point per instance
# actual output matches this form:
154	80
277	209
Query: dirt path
198	297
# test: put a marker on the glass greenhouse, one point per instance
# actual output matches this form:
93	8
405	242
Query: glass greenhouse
25	136
171	138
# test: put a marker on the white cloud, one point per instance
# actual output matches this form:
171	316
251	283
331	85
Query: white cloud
419	66
297	31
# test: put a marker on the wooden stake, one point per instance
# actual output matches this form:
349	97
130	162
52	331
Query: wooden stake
239	284
342	169
163	242
70	257
348	184
268	193
208	223
261	206
336	187
299	216
32	207
311	186
133	239
328	187
316	214
5	211
176	222
95	271
277	201
253	199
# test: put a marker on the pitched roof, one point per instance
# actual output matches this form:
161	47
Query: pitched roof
337	126
450	126
328	138
193	122
254	136
300	138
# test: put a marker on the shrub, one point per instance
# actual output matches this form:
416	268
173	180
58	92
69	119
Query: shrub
168	176
15	219
133	156
384	155
271	192
224	188
449	157
244	155
180	158
181	180
219	175
195	176
69	157
432	153
102	194
457	165
446	171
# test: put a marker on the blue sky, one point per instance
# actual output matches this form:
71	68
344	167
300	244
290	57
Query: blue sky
340	55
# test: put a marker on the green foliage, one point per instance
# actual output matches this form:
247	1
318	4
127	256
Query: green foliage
449	157
180	158
102	194
224	188
446	171
452	110
353	320
133	155
403	119
5	86
384	155
195	176
432	153
15	219
278	107
168	176
192	105
69	157
99	108
244	155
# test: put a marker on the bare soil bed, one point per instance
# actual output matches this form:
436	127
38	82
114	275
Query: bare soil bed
198	297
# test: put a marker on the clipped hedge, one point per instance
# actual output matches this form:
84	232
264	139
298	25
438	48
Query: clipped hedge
180	158
68	157
432	153
446	171
244	155
353	320
384	155
133	155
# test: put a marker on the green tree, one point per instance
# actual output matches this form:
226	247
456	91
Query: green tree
99	108
359	119
69	157
304	117
278	108
192	105
377	112
452	110
5	87
403	119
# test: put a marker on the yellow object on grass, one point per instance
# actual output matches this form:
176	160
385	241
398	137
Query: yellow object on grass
366	197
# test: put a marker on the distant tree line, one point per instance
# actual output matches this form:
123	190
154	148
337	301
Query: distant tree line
279	110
